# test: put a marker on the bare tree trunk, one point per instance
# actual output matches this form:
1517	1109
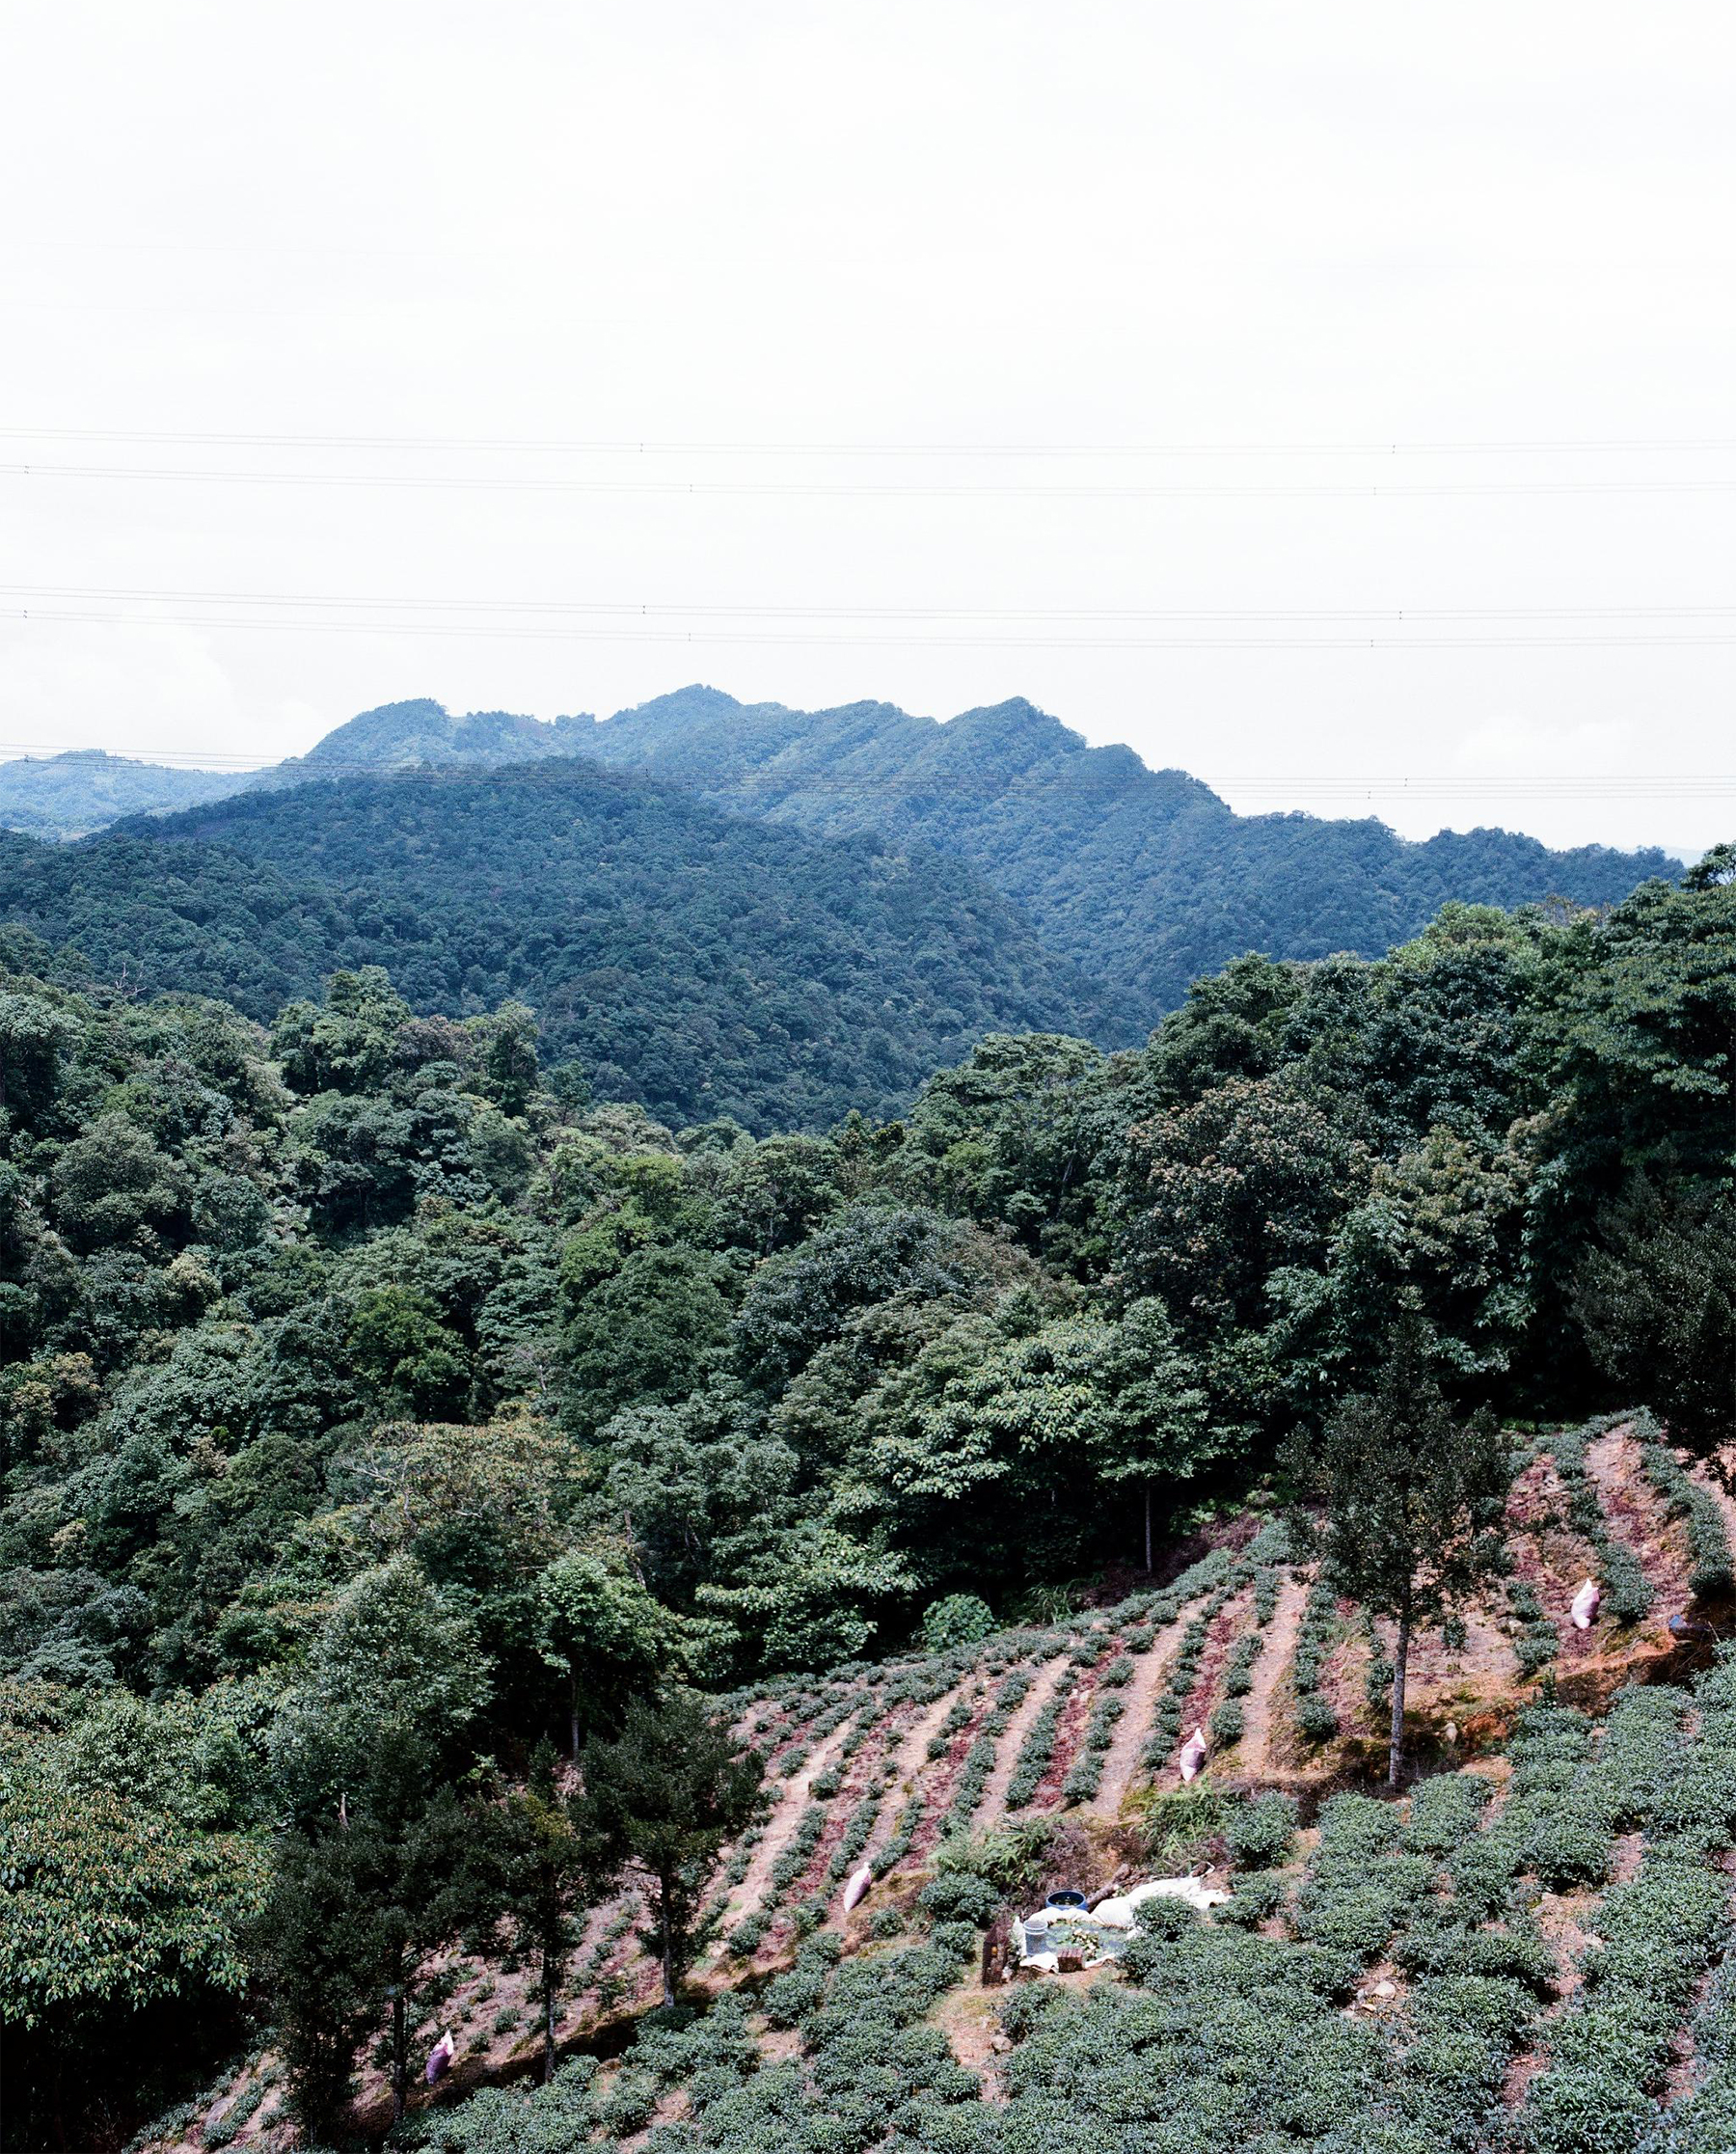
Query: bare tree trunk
400	2065
573	1717
548	2019
1400	1661
666	1886
1148	1527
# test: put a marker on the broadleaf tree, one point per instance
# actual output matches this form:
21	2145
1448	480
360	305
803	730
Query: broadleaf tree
1406	1503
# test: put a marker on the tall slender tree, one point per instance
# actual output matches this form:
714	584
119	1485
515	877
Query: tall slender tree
1403	1504
664	1798
544	1867
356	1907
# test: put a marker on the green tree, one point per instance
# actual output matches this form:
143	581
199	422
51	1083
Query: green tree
348	1044
544	1867
1410	1504
1251	1178
505	1041
1157	1422
356	1907
394	1654
647	1333
603	1633
666	1797
401	1346
36	1038
1658	1307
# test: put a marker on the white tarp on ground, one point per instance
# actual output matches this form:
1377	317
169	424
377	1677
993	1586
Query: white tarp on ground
1040	1939
1118	1912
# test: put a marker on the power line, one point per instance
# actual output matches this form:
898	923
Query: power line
619	447
639	609
725	637
746	489
1583	785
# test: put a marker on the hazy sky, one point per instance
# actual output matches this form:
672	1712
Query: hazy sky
1365	310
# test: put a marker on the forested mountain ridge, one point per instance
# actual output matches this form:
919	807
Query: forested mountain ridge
1142	878
701	963
66	796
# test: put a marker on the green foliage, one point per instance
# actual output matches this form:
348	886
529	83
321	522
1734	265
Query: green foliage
1412	1500
697	962
665	1796
1111	859
113	1898
960	1618
1260	1835
369	1382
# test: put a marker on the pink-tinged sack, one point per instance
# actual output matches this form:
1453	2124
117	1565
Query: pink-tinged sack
1193	1755
856	1889
1585	1604
440	2057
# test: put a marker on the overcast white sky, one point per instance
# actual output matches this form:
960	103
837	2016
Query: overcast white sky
946	224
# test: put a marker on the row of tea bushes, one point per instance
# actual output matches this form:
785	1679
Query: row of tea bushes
1685	1500
1628	1590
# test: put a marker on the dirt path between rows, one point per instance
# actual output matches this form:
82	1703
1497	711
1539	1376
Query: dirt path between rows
780	1827
1259	1753
994	1795
1636	1517
911	1762
1121	1761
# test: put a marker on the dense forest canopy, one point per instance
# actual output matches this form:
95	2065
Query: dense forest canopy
698	962
371	1369
83	789
1143	878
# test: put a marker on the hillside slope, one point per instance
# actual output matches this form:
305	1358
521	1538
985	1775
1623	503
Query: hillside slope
1142	876
700	962
1417	1960
66	796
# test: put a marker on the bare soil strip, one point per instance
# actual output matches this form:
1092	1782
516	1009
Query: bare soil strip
780	1827
1121	1761
1258	1759
994	1795
1636	1517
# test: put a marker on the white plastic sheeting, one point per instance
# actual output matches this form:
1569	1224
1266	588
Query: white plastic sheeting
1040	1939
1119	1912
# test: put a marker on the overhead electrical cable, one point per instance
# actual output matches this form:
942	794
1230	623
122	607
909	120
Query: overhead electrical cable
814	489
285	624
626	446
640	608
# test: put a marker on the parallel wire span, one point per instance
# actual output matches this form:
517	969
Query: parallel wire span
506	444
745	489
1586	785
733	636
725	637
639	609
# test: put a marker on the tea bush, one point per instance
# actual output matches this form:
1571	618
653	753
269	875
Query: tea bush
1262	1833
1629	1591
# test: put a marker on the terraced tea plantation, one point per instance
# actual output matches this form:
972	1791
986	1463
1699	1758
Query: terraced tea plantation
1525	1952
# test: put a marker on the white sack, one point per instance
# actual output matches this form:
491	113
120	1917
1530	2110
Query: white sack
856	1889
1193	1755
1585	1604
